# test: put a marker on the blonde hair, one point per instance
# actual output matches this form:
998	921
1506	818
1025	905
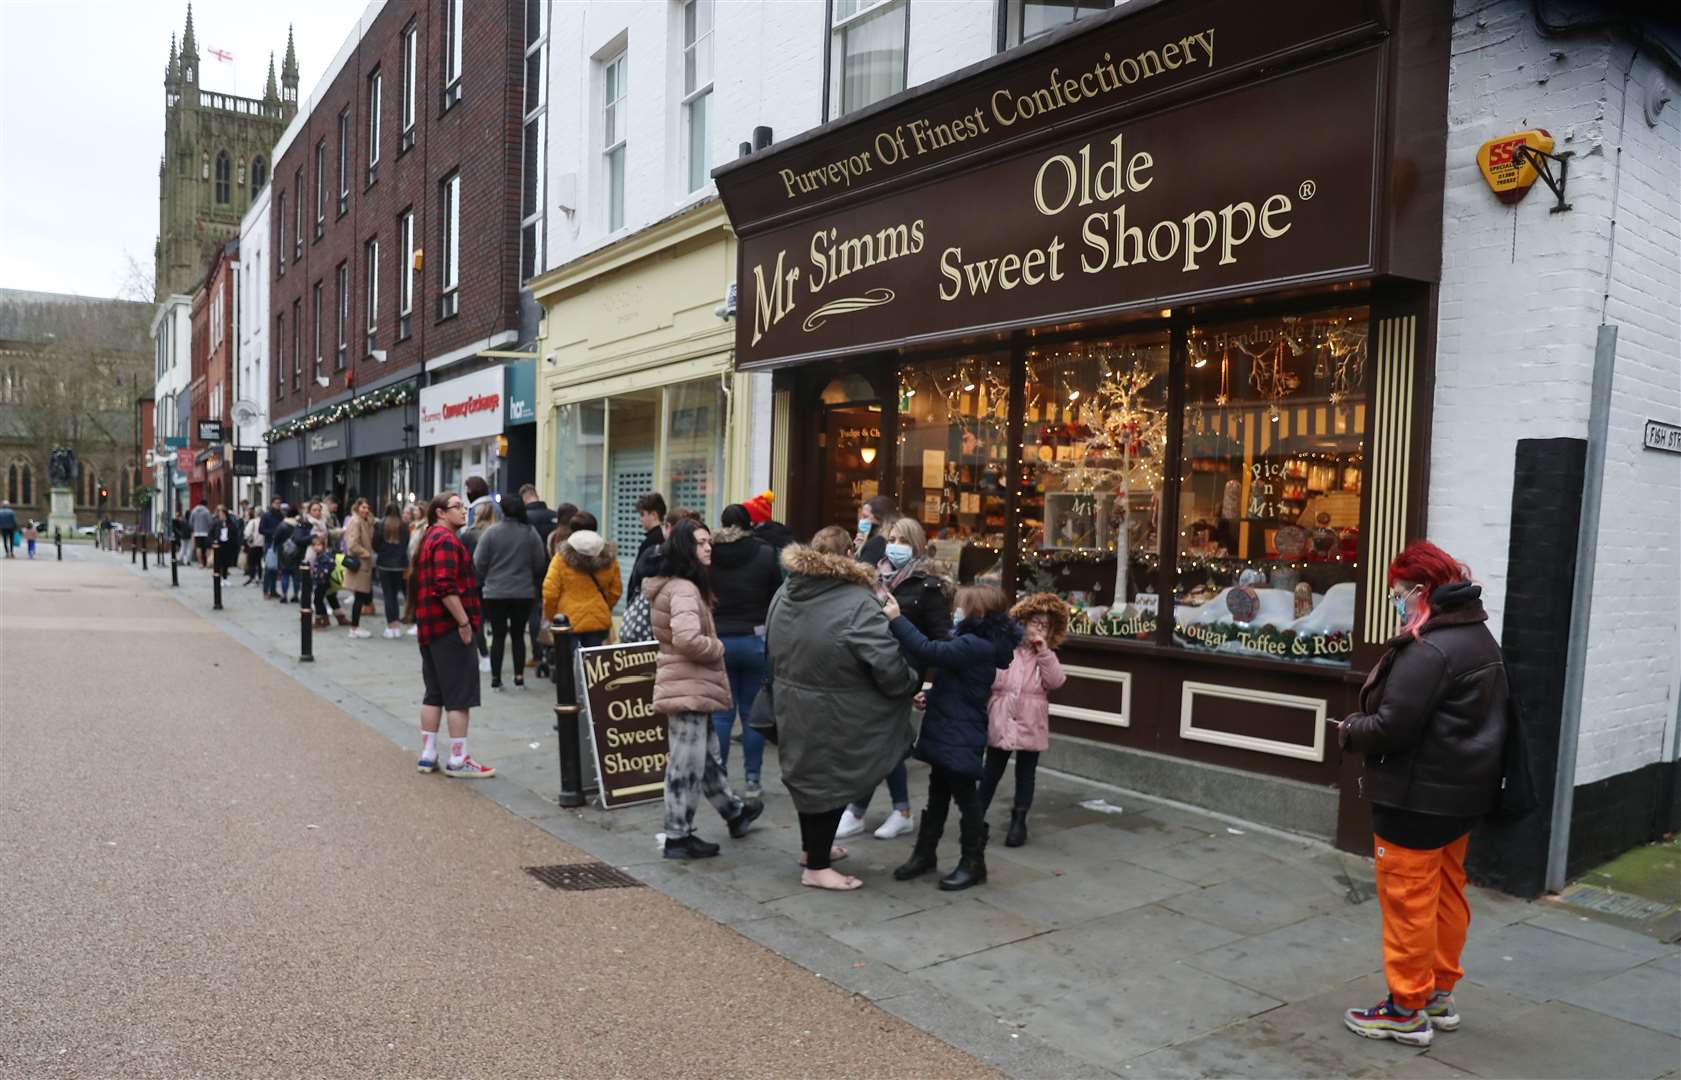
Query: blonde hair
909	531
832	540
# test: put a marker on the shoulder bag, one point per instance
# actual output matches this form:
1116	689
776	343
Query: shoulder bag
763	717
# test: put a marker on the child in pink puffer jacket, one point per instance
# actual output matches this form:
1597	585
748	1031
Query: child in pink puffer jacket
1018	713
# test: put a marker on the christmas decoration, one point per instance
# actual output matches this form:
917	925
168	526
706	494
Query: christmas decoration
362	405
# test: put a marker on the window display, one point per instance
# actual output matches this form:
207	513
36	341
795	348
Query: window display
1271	473
953	459
1094	436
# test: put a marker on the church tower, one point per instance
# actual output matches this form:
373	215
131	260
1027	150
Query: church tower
217	155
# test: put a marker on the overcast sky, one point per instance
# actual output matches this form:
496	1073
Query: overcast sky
81	119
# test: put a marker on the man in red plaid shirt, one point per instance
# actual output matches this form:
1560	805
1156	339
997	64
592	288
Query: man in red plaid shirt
446	615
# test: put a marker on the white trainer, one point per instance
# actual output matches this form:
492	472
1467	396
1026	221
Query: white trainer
484	663
849	825
358	632
897	824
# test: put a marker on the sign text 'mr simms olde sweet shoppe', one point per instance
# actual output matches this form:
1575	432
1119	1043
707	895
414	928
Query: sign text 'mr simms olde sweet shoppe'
1271	184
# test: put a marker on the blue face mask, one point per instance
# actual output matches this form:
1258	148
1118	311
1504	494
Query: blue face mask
898	555
864	526
1400	604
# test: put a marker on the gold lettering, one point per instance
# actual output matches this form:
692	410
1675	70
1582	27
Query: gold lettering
773	304
1275	204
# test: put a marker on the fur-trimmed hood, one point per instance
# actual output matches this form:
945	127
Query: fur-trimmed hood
807	562
731	534
604	555
1052	607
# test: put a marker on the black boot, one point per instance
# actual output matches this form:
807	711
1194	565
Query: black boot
971	868
749	813
1017	836
923	858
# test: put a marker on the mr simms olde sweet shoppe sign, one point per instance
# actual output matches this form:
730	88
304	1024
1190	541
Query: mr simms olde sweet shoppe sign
627	736
1267	181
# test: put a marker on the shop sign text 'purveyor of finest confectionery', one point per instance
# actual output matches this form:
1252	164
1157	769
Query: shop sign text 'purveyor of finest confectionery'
1266	182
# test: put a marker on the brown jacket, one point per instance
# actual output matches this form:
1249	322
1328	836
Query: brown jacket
359	541
689	675
1433	713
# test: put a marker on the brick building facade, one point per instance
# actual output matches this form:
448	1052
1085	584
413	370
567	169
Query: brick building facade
395	236
213	387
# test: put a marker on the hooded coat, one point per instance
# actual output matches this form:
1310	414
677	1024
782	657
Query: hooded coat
745	575
954	725
1019	711
840	684
1433	713
583	582
689	673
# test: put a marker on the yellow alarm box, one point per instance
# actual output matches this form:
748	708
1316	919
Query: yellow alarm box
1510	173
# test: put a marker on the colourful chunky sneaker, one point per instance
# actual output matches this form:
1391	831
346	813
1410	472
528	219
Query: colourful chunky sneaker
1443	1016
469	769
1389	1021
427	764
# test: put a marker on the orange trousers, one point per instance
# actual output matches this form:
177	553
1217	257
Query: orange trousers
1425	917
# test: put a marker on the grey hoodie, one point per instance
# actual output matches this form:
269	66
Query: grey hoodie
510	561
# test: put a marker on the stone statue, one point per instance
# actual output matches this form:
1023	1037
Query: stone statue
61	467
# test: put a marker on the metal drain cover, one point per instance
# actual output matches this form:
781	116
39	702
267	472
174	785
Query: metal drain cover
1606	902
583	877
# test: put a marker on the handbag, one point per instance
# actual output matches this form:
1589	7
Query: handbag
762	718
1517	796
351	563
637	625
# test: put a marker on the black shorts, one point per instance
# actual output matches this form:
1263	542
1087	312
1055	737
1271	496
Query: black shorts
202	543
451	671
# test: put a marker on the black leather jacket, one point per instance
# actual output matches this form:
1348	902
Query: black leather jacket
1434	713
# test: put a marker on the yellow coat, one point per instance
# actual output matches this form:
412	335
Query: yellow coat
584	587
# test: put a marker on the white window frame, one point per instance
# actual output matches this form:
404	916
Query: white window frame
449	277
534	127
298	214
376	92
405	281
297	350
614	141
318	293
320	187
280	230
866	9
344	159
697	99
280	355
411	45
341	351
453	19
370	253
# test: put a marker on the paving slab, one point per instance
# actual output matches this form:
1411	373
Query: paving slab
1647	995
1208	860
827	909
1248	906
1539	964
1564	1042
1296	961
1058	903
1141	1009
1600	933
1151	934
1421	1067
942	933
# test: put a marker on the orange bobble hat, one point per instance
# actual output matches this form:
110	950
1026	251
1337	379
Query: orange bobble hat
759	507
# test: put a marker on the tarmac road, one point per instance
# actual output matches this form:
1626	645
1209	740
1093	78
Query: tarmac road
207	870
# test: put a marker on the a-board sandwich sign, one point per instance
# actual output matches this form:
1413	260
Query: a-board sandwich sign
627	738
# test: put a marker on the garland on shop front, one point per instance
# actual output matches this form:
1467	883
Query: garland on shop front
384	398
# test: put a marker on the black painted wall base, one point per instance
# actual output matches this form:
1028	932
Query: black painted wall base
1620	812
1541	571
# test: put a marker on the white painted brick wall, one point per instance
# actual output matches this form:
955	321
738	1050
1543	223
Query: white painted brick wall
1521	302
252	320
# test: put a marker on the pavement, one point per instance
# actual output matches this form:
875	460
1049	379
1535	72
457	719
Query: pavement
1132	937
208	871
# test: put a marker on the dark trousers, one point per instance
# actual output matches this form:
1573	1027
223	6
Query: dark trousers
507	618
358	601
325	595
390	584
817	836
1027	772
945	788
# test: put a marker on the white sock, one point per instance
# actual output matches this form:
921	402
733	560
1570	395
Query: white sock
429	745
457	750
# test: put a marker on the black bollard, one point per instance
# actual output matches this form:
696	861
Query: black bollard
140	542
306	630
566	712
216	590
58	542
133	554
174	572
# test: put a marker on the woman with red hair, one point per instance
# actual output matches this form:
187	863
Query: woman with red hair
1432	725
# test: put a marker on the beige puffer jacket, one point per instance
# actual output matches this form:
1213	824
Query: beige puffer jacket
689	675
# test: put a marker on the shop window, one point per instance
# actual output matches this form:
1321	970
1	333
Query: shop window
1270	480
953	459
694	450
1094	439
580	440
850	438
633	433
